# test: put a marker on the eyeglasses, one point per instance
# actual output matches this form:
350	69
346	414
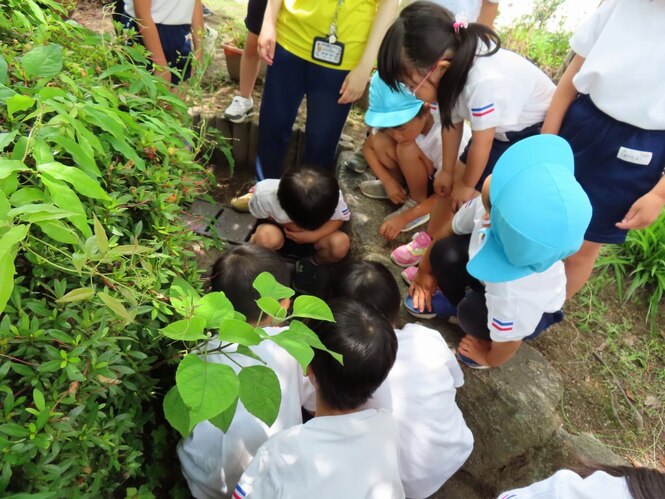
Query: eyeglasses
429	73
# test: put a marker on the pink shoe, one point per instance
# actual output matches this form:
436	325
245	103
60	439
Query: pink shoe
408	274
410	254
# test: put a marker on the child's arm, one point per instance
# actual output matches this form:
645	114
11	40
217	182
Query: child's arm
391	228
563	97
396	193
488	13
312	236
198	30
479	152
646	209
488	353
451	138
150	35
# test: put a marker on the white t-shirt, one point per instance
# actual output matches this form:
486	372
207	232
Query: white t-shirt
329	457
167	11
430	145
468	8
514	308
264	204
503	91
420	392
565	484
213	461
625	61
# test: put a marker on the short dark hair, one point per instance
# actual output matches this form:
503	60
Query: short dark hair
309	195
234	272
370	282
368	345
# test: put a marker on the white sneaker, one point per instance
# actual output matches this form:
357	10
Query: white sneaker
239	110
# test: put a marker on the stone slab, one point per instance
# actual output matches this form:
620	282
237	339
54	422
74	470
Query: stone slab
234	227
201	216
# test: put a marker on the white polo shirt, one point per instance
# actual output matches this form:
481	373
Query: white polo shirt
430	145
264	204
504	91
171	12
514	308
624	70
566	484
420	393
468	8
329	457
213	461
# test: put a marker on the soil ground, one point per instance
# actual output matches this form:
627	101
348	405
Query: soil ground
612	361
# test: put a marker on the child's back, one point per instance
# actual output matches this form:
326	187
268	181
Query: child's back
351	455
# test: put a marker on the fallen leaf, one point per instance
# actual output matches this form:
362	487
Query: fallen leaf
652	401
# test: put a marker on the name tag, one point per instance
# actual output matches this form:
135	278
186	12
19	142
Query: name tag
326	51
635	156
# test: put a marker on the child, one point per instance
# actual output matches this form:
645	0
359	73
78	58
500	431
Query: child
404	147
168	29
614	119
212	461
300	214
608	482
532	214
482	11
462	67
344	451
242	106
419	390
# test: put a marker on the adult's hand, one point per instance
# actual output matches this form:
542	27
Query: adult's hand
354	85
267	42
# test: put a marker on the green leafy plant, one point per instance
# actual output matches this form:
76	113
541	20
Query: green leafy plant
639	264
208	390
233	32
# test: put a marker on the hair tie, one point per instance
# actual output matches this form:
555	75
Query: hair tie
461	21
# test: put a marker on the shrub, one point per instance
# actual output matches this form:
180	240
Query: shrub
95	164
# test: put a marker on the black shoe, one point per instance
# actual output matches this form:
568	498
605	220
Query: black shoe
207	12
310	278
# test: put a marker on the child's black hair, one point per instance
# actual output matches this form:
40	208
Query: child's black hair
370	282
309	195
234	272
420	36
643	483
366	341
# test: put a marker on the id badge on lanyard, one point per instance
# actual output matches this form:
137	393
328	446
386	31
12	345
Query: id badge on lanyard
326	48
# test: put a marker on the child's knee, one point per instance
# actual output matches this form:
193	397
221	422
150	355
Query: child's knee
268	236
338	245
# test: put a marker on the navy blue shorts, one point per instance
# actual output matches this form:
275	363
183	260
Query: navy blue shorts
498	148
612	184
177	46
254	19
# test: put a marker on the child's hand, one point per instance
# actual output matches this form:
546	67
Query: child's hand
396	193
391	228
643	213
475	349
443	183
421	290
460	195
301	236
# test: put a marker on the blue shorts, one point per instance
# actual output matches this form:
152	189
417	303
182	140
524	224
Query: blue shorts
177	46
612	184
498	148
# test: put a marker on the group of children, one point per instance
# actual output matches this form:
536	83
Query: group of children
516	216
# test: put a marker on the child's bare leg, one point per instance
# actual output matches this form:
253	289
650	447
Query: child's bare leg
332	248
414	169
269	236
579	267
441	214
380	148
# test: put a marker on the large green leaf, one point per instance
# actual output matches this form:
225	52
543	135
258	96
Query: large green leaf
271	307
58	231
77	294
223	421
4	75
9	166
34	213
116	306
7	138
312	308
81	182
66	198
83	158
183	296
4	207
300	351
18	103
176	411
191	329
43	62
206	388
236	331
214	308
11	238
268	287
260	392
7	272
301	332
